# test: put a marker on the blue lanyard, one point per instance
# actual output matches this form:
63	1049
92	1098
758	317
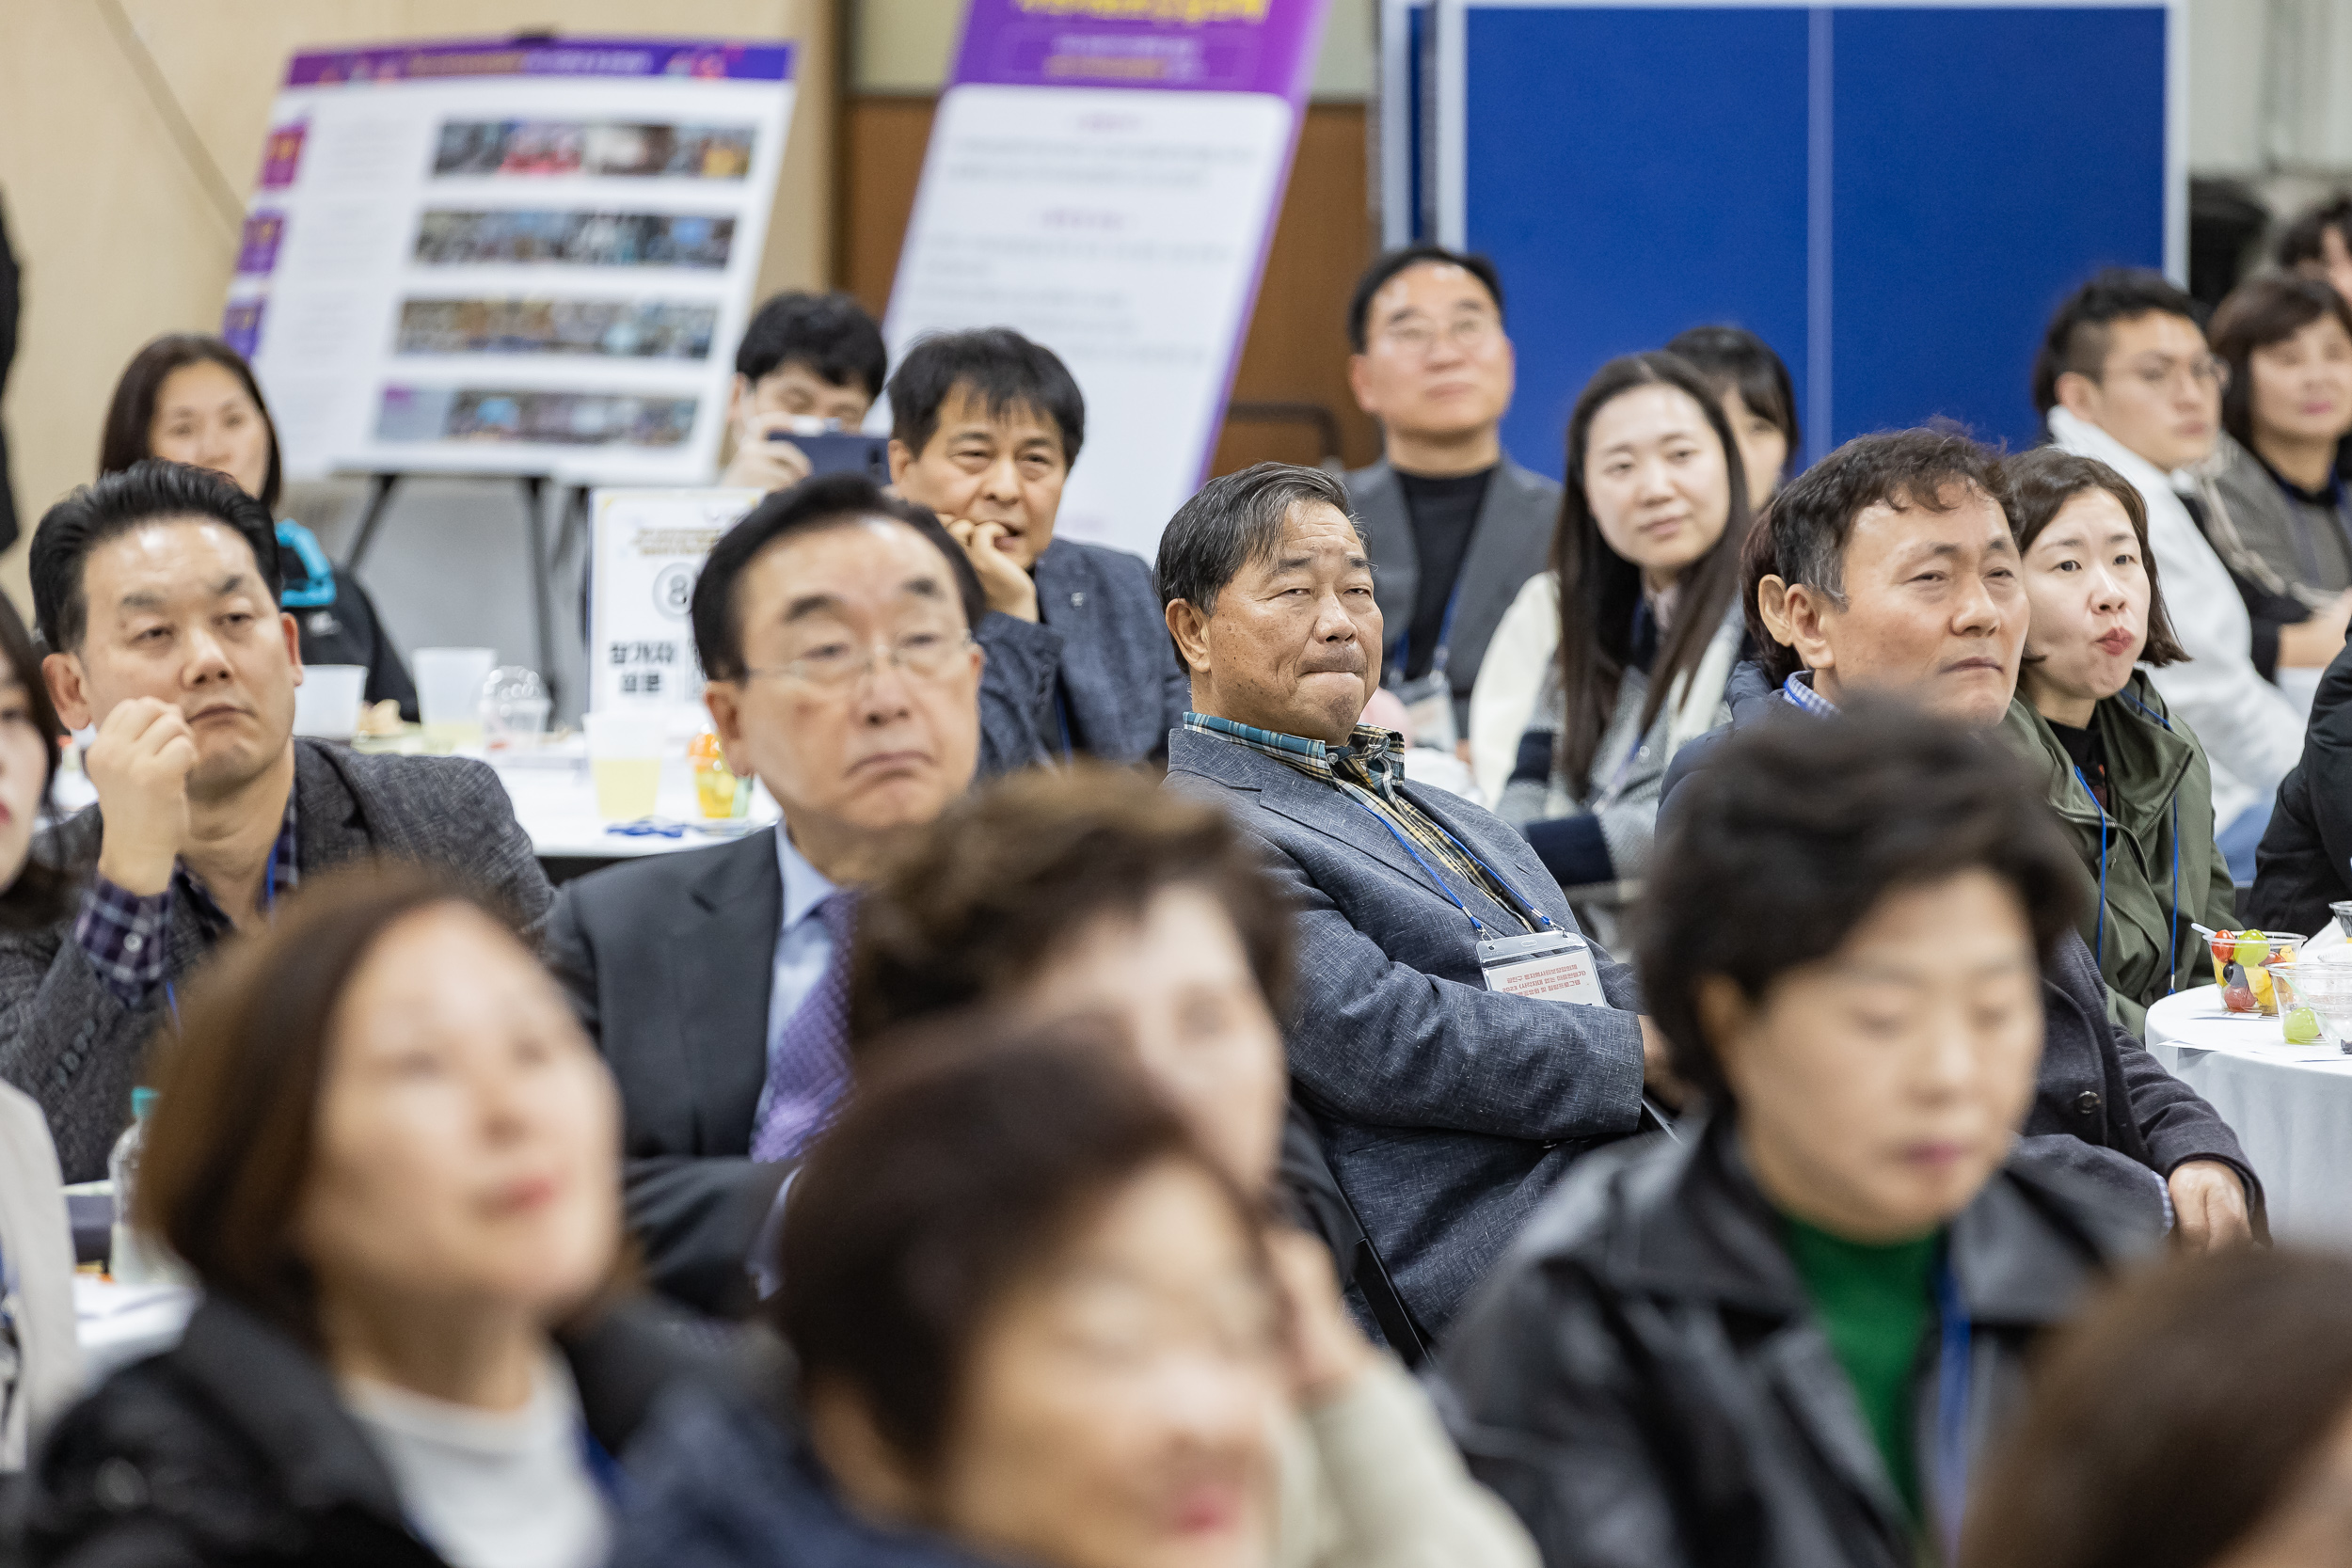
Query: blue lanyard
1525	911
2173	929
1951	1408
2099	948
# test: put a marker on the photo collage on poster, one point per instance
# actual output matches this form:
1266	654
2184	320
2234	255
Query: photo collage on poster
526	151
511	256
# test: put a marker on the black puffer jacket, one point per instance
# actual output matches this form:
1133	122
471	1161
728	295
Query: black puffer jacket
1643	1380
232	1448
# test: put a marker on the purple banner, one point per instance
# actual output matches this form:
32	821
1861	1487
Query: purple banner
702	59
1200	45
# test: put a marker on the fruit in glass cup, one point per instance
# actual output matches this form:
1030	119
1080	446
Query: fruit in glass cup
2239	960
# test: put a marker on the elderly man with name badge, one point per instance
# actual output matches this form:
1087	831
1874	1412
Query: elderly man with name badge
1455	1038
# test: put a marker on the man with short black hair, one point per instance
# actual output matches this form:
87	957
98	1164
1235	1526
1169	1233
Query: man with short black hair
804	357
1456	1040
984	428
1454	527
1890	567
2124	375
832	624
156	592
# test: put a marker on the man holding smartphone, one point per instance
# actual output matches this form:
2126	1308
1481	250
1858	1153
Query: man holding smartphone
804	357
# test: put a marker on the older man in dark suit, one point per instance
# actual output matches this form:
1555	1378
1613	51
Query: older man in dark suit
1453	527
1456	1040
984	428
832	624
156	589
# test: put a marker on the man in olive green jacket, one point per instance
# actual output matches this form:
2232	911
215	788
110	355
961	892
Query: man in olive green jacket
2155	839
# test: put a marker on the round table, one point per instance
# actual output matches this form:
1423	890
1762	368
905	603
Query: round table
2291	1107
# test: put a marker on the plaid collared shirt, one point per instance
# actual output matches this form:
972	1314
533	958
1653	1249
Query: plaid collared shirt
127	938
1798	688
1367	769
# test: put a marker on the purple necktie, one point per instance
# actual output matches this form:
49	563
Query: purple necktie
807	1067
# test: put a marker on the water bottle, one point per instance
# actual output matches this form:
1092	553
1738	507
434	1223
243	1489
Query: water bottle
131	1259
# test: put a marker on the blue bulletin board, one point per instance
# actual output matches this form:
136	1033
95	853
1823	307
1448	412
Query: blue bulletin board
1894	195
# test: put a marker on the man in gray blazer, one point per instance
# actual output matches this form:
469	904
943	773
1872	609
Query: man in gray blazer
156	591
1454	527
832	624
1452	1074
984	428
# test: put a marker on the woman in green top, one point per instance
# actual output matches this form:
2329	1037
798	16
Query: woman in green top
2128	780
1782	1339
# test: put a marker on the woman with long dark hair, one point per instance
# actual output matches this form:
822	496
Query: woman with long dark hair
193	398
1645	568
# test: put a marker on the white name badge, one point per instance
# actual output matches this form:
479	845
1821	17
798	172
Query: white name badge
1429	706
1551	966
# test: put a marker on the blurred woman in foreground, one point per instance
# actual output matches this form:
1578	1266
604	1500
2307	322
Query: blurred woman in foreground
391	1160
2197	1416
41	1361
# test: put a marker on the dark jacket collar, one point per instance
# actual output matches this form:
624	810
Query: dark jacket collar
1691	1221
2147	759
280	1397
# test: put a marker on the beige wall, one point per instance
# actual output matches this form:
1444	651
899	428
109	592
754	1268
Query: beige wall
131	132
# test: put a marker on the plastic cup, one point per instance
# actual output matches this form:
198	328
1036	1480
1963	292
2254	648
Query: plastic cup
2253	955
448	695
625	760
328	702
2314	1001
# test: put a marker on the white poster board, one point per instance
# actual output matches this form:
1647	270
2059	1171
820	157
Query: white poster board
510	257
648	548
1104	179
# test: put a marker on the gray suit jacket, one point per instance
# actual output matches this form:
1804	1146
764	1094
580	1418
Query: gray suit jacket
71	1044
669	962
1510	543
1447	1110
1103	640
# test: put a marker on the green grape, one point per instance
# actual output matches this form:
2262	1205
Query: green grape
2301	1026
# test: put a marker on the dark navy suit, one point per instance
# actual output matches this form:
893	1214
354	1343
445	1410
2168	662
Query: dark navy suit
1096	668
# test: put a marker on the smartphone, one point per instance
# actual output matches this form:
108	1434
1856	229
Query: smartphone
843	452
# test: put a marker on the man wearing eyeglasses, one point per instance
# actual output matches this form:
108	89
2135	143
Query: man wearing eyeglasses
833	625
1454	527
2124	375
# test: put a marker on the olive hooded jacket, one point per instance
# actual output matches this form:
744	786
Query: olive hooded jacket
2161	789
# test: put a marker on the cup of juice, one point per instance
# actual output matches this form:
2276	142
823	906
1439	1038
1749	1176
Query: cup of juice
716	788
625	760
2240	967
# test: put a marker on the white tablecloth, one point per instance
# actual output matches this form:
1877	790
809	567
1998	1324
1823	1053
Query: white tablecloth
118	1325
555	800
2291	1107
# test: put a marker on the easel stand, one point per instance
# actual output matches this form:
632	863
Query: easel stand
381	487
